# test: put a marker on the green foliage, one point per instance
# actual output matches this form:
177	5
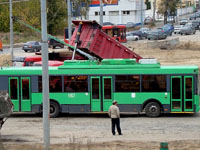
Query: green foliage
168	6
30	13
148	4
56	16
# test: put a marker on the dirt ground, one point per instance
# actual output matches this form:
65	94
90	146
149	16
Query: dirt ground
92	132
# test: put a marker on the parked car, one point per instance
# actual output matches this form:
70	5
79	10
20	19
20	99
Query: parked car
177	29
170	26
108	24
193	17
196	24
130	25
148	20
156	35
140	34
32	46
183	21
192	25
165	30
53	43
131	37
187	30
145	30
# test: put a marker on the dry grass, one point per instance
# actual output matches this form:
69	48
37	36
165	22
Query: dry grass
5	60
189	45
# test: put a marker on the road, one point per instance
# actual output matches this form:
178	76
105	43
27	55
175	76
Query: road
26	129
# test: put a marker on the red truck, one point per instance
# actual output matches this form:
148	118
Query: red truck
1	46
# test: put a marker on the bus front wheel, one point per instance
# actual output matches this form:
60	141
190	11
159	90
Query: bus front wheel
152	109
54	110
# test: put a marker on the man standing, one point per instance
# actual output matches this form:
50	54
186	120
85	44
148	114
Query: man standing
115	115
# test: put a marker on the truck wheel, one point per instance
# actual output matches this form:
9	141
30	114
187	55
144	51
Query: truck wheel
54	110
152	109
25	50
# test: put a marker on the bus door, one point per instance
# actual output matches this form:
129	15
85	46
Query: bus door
101	93
19	92
182	94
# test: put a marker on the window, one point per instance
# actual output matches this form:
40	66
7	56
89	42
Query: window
127	83
126	12
188	88
13	88
153	83
75	83
96	13
107	88
176	88
55	84
25	89
95	88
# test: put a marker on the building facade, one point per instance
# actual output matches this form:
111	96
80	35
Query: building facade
118	11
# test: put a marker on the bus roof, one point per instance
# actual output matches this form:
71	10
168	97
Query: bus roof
106	67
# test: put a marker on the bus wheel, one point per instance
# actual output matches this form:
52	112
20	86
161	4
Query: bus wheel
152	109
54	110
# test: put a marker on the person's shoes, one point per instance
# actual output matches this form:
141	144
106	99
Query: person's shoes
120	134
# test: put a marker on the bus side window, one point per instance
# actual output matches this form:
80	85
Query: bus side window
127	83
153	83
75	84
13	89
40	84
55	84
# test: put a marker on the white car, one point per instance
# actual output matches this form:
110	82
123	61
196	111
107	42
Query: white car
131	37
177	29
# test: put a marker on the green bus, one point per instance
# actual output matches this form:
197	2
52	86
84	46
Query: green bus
86	86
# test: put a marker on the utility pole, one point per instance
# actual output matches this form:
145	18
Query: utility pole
101	13
69	19
154	10
181	8
141	13
11	31
45	77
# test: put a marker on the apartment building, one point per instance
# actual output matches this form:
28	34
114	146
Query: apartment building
118	11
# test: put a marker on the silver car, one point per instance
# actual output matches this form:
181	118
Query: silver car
177	29
132	37
187	30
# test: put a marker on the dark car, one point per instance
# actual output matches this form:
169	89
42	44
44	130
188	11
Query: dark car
108	24
156	35
140	34
32	46
53	44
196	24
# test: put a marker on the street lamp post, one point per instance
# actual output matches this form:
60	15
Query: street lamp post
11	31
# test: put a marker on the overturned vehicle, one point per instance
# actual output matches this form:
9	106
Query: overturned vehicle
6	107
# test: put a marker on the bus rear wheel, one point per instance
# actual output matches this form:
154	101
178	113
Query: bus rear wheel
54	110
152	109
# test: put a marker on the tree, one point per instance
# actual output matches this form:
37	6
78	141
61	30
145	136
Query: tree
167	8
56	16
81	8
